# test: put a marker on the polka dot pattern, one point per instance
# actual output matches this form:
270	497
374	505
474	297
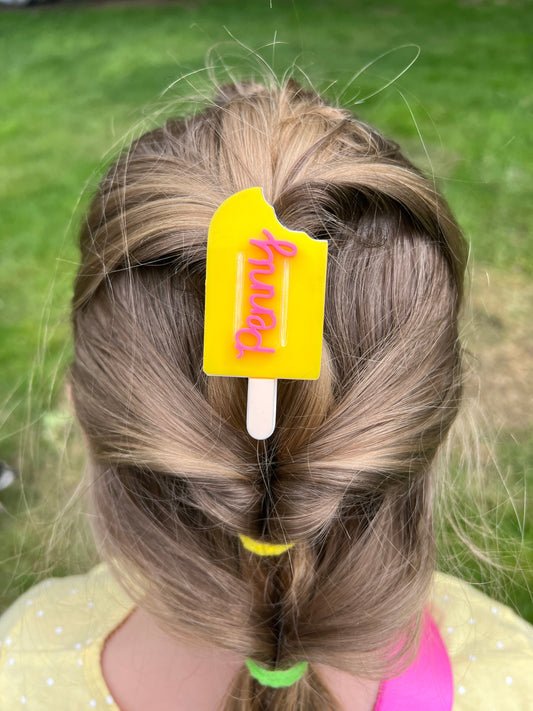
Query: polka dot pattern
484	637
51	618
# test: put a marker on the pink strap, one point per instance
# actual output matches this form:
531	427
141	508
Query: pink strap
427	683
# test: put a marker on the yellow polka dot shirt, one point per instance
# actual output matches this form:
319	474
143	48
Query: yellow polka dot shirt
53	636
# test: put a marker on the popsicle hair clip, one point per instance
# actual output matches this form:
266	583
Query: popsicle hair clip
264	303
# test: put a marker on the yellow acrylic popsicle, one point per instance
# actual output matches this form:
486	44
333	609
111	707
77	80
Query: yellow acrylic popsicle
264	299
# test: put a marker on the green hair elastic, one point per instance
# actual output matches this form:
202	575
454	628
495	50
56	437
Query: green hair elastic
276	678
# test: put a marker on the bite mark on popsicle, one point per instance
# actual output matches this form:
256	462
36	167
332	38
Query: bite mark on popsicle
263	318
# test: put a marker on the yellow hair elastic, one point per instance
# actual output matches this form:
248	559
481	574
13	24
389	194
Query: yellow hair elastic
260	548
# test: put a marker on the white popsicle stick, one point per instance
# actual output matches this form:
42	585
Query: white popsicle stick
261	407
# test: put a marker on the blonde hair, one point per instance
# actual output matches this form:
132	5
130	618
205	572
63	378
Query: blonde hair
347	473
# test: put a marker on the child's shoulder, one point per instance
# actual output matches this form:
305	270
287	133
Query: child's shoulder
51	639
61	610
490	647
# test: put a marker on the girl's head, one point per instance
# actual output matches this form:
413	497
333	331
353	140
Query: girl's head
347	474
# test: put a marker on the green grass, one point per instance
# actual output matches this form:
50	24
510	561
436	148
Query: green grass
74	80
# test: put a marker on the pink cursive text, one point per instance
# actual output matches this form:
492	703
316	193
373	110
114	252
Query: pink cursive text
262	318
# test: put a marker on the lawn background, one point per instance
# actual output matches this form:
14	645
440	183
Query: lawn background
76	79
